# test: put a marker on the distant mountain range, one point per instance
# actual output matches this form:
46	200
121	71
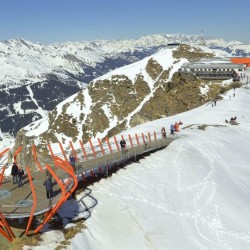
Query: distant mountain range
34	78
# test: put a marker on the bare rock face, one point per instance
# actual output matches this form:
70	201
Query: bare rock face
191	53
153	68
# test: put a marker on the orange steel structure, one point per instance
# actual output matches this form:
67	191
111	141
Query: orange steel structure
65	194
4	167
5	229
241	60
67	187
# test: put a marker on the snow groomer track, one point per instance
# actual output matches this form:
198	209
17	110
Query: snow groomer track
30	200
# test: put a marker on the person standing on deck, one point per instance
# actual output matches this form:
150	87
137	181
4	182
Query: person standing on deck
14	172
48	187
123	145
20	177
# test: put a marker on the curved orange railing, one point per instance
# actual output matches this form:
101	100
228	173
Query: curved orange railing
65	195
2	174
35	158
9	234
33	209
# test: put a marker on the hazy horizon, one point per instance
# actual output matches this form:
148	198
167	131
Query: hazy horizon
60	21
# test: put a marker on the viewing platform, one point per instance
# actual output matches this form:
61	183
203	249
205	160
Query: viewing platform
30	200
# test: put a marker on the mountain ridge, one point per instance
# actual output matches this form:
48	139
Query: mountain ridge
56	71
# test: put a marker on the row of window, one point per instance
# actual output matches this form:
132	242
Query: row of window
228	70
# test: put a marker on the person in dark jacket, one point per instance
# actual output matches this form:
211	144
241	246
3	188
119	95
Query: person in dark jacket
48	187
123	144
72	161
20	177
14	172
172	129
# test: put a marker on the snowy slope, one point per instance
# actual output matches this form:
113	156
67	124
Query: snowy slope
194	194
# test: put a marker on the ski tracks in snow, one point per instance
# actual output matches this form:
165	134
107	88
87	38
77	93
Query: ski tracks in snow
203	199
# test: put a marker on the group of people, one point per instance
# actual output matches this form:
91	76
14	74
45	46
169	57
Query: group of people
17	173
173	128
232	121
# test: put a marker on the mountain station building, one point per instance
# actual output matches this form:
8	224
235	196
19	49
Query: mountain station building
215	69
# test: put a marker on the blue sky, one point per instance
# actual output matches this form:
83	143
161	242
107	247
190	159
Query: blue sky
50	21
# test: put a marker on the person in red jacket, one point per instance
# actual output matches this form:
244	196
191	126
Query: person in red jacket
163	132
176	127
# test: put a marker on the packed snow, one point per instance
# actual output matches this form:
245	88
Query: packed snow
194	194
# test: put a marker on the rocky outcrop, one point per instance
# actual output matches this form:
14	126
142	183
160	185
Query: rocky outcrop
191	53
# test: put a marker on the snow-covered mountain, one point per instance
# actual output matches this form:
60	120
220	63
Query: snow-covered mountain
140	92
34	78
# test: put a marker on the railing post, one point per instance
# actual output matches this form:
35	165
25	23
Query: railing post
100	144
2	174
149	137
73	150
155	135
16	153
63	152
9	234
92	148
137	139
83	150
35	158
110	148
131	142
116	143
51	152
33	209
4	152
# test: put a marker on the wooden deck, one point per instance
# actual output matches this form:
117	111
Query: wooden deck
17	202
